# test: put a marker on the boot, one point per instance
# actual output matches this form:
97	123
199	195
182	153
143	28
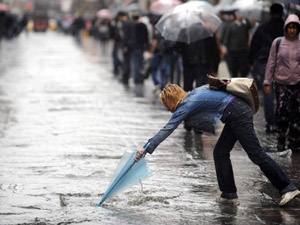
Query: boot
280	144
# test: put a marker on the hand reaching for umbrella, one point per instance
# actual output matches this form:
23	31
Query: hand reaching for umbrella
139	154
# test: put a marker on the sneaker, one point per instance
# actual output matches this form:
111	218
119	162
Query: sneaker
286	153
227	201
288	197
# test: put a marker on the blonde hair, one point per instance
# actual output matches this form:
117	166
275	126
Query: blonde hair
171	96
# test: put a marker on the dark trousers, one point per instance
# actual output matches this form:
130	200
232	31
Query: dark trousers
117	63
239	127
194	73
237	62
126	65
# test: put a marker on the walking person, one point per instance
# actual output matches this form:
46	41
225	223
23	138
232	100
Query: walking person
116	28
199	59
140	45
201	109
236	40
127	37
160	55
258	57
104	30
283	71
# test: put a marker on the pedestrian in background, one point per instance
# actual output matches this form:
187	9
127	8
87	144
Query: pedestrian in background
160	55
77	27
201	109
140	45
236	41
258	57
283	71
116	30
199	59
104	31
127	40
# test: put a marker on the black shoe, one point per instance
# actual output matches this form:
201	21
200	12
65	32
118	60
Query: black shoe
281	144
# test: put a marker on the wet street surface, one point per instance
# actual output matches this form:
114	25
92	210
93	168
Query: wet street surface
65	122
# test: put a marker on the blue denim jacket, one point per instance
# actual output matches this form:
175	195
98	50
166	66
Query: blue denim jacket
200	109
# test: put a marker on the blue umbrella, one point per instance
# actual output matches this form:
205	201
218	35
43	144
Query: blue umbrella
128	173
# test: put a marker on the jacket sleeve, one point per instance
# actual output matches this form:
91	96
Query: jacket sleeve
271	65
177	117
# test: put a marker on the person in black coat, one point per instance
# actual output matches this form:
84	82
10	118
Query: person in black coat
258	57
140	45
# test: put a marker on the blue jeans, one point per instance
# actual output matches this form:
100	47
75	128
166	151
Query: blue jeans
160	66
239	127
117	63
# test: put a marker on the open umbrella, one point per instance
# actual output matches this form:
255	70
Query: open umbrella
128	173
3	7
289	1
188	24
104	13
252	9
159	7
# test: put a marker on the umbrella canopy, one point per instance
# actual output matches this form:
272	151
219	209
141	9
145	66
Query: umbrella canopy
104	13
289	1
128	173
252	9
159	7
3	7
201	4
188	24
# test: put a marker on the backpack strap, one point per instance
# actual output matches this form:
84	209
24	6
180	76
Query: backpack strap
278	43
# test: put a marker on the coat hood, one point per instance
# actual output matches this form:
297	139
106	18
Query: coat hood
292	19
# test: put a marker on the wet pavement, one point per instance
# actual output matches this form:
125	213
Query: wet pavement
65	122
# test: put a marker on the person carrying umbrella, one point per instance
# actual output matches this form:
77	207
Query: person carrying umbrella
201	109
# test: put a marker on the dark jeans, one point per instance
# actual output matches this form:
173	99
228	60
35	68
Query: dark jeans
239	127
237	62
138	62
126	65
117	63
194	73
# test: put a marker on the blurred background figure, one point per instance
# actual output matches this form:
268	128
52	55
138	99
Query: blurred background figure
116	32
127	39
236	40
140	45
104	31
258	57
77	27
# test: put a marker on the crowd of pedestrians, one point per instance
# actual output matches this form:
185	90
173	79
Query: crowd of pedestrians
241	43
139	52
11	24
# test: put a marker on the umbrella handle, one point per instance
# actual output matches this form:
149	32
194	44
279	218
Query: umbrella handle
146	146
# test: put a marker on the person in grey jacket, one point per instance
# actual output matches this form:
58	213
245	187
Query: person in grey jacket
201	109
283	71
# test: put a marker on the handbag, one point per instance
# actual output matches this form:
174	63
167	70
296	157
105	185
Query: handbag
242	87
